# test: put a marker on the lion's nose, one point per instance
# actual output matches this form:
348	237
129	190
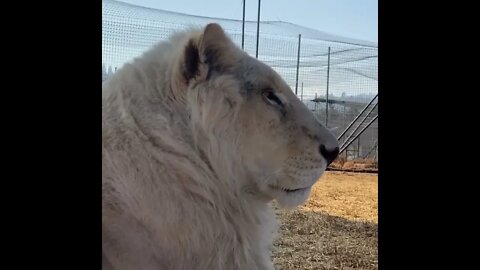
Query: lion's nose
329	154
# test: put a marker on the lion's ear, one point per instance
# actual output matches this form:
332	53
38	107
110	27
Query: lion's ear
216	49
211	51
189	64
191	61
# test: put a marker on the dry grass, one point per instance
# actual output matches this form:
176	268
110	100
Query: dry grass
360	163
335	229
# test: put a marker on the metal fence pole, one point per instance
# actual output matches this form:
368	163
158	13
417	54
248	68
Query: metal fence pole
301	95
258	28
358	147
298	62
344	116
328	77
361	122
343	148
354	120
243	26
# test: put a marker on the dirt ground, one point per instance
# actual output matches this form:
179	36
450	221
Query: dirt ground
335	229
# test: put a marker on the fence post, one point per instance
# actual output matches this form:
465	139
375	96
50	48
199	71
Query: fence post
258	28
344	147
358	116
344	116
301	95
361	122
243	25
298	62
358	146
328	78
376	148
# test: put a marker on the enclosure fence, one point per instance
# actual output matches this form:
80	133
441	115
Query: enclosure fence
336	77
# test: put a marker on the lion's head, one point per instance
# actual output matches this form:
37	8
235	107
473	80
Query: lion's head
248	122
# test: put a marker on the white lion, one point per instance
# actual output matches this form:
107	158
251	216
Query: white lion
197	138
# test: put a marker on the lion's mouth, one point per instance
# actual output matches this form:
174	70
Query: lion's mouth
292	190
288	190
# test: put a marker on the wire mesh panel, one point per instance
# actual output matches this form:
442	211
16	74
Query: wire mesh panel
337	76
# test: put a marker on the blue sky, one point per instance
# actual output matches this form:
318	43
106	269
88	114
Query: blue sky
350	18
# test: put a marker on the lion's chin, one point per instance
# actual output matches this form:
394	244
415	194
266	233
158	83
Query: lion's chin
291	199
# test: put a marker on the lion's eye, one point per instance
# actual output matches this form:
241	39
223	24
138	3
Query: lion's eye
271	98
